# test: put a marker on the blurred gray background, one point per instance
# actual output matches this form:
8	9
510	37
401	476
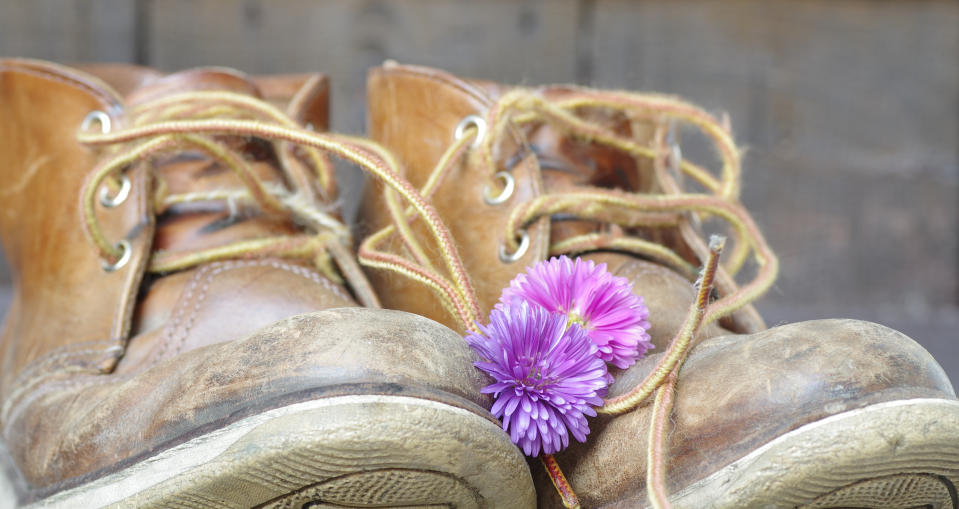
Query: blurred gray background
849	108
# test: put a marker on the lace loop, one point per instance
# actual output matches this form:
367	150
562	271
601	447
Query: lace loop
194	121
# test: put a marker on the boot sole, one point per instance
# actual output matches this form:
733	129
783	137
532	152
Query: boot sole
347	451
897	455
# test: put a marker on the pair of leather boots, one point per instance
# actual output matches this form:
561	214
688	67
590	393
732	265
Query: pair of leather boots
191	327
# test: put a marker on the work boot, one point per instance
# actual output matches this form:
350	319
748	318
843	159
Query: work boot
185	330
827	413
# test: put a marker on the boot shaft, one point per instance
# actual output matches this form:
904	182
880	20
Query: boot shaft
55	270
415	112
236	251
53	325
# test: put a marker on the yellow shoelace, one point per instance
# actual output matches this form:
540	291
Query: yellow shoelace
672	207
195	121
207	122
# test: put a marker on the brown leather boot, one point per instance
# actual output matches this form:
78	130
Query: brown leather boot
830	413
180	335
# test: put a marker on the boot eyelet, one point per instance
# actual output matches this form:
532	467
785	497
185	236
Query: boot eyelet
475	121
99	117
509	184
520	251
115	201
127	253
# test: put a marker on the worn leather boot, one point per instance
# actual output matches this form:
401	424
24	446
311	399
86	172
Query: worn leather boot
180	335
828	413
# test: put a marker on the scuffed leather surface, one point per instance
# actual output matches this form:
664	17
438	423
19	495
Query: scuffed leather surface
736	393
223	301
88	424
185	369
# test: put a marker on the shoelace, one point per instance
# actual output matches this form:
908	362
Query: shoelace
672	207
212	123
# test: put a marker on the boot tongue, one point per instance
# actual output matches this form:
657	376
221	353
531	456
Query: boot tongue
567	163
194	80
191	227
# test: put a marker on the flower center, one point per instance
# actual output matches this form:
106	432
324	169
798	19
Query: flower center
534	378
578	319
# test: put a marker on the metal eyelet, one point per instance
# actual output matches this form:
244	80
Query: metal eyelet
127	253
115	201
509	184
471	120
97	116
520	251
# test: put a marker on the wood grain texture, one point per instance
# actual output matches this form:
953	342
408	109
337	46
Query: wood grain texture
531	41
84	30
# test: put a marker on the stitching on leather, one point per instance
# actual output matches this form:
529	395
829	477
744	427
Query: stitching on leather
207	275
180	310
59	353
445	79
29	378
122	321
14	410
79	85
198	303
29	392
312	276
27	389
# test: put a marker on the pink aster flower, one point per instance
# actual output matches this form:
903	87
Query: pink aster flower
548	376
614	317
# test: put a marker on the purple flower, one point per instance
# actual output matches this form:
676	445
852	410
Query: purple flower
548	376
614	317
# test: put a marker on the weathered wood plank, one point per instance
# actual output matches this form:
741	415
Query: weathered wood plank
84	30
505	40
850	111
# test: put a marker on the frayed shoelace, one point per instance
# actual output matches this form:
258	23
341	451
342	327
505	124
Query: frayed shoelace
672	207
194	121
206	122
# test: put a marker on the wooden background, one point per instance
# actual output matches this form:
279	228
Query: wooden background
849	108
